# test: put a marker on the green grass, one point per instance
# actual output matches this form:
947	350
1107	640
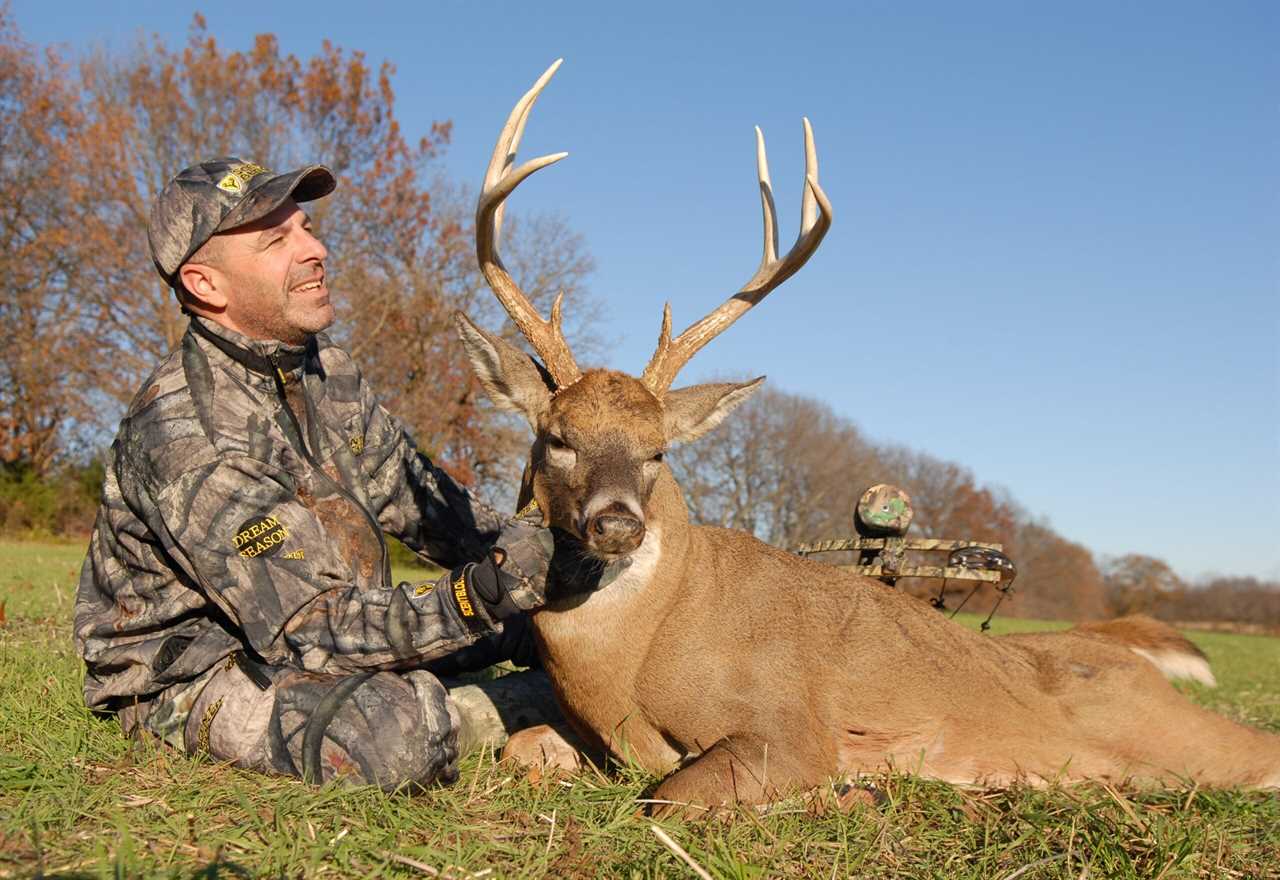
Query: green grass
79	800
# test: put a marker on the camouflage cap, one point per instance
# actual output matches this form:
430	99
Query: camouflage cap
219	195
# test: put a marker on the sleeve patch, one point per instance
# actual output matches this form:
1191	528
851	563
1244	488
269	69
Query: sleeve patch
260	536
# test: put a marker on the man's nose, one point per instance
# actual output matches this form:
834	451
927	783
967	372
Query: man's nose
315	249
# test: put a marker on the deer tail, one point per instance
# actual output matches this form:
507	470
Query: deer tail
1176	656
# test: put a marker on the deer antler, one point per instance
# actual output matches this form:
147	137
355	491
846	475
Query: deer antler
546	337
673	354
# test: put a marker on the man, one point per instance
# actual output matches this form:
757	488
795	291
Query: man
237	597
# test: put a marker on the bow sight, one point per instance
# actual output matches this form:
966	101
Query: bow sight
881	519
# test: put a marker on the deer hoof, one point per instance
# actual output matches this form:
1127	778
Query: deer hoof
543	750
850	797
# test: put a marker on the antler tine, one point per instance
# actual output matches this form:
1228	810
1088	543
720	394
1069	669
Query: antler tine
672	354
504	152
809	202
766	201
500	180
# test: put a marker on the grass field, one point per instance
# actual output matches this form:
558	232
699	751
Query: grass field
77	799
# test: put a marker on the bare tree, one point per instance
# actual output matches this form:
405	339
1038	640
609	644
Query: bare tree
1135	582
1244	600
1057	579
785	468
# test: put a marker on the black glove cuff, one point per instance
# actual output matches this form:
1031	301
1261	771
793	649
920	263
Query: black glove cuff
465	602
491	586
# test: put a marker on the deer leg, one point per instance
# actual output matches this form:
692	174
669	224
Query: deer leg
549	748
736	770
1201	745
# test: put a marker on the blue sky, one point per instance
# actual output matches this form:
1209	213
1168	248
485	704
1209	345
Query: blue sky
1055	254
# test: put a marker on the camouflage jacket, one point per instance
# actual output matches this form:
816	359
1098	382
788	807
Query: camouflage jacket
230	521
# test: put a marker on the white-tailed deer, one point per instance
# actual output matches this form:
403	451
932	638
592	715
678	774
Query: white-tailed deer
745	671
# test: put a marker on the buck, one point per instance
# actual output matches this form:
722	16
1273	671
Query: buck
745	672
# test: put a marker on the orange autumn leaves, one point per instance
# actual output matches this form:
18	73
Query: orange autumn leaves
85	147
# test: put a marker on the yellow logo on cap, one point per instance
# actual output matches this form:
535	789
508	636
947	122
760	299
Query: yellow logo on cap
238	176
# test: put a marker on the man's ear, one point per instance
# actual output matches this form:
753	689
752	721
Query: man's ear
202	286
693	411
511	378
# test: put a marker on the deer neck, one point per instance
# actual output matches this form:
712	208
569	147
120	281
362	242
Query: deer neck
629	598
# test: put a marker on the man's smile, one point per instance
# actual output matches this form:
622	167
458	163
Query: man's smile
312	286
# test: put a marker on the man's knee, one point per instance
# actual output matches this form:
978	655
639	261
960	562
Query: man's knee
380	728
385	729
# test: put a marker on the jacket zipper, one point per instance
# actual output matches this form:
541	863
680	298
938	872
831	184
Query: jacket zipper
278	375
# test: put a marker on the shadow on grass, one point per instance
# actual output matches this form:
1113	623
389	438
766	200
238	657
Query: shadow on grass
212	871
219	868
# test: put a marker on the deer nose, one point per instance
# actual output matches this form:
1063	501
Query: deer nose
615	531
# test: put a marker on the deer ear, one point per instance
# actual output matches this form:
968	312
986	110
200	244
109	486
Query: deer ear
693	411
511	378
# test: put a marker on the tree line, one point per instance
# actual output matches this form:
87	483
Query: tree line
789	470
85	146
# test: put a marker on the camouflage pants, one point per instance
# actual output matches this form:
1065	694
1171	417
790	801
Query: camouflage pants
390	729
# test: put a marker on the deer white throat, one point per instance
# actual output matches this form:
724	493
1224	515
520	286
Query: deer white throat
631	578
600	622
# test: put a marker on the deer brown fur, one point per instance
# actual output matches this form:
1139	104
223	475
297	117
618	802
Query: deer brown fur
743	671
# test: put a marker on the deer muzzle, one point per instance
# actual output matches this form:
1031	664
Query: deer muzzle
614	531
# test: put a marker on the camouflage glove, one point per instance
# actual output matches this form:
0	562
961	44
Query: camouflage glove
495	583
512	578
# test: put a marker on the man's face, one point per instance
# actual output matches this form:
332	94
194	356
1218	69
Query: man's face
272	276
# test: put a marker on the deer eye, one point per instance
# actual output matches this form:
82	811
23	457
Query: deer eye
658	456
559	453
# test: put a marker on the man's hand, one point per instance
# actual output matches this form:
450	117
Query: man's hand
495	582
512	578
528	564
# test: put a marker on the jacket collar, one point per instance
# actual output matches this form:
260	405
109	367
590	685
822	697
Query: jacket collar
260	356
